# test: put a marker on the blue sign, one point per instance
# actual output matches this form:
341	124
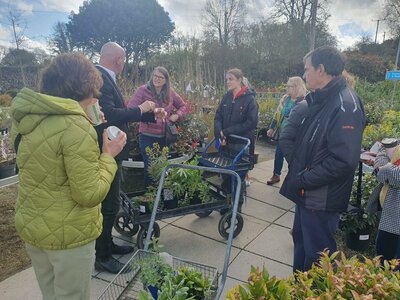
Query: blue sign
393	75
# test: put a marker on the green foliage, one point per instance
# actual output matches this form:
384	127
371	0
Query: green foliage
153	270
261	286
158	160
366	66
266	111
354	221
190	279
140	26
334	277
19	57
346	278
173	291
388	127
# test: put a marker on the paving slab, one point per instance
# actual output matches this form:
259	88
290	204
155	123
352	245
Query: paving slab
262	211
208	227
229	284
241	266
268	194
184	244
286	220
275	243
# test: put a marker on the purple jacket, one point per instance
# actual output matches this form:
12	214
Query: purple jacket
176	103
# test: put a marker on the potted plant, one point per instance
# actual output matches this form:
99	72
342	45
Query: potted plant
145	203
153	271
358	224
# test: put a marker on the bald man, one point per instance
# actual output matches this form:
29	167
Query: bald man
112	61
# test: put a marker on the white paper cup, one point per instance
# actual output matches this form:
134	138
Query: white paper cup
112	132
93	112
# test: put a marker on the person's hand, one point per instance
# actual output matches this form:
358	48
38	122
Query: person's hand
147	106
160	113
103	117
115	146
173	118
222	139
270	132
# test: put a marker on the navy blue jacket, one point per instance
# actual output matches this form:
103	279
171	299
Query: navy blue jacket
327	149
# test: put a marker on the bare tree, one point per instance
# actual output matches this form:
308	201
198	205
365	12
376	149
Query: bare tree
391	15
222	18
298	11
18	27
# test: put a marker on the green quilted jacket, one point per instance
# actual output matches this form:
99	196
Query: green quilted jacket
63	178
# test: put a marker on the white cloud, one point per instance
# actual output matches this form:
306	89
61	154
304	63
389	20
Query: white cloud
65	5
26	9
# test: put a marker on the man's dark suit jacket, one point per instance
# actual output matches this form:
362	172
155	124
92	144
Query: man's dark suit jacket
116	113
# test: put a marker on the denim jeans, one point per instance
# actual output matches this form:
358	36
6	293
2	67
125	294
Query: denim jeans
144	142
278	161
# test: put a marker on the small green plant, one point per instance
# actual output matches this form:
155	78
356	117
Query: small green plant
261	286
158	160
153	270
198	286
170	290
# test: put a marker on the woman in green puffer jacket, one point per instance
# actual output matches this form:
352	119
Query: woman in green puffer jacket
63	178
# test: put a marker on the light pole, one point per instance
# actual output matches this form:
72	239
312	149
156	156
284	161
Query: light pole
314	4
395	68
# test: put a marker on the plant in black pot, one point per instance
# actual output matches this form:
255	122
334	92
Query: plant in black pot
357	223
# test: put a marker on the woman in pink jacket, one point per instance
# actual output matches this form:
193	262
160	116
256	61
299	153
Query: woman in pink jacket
157	89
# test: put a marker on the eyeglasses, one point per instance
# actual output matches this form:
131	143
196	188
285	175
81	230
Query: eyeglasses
158	77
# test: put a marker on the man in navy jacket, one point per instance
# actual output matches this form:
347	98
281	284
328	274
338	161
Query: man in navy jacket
323	157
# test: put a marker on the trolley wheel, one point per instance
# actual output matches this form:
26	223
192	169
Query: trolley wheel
203	214
141	237
124	226
225	224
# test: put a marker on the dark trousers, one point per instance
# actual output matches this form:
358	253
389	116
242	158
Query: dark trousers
144	142
388	245
278	161
109	209
313	231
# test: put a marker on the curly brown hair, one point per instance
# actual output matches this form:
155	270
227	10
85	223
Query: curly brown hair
71	75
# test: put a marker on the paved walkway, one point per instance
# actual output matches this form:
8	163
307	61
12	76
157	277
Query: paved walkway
264	240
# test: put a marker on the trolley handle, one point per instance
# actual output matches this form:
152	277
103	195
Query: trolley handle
233	218
241	152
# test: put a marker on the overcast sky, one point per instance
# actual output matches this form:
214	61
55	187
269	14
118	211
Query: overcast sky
350	19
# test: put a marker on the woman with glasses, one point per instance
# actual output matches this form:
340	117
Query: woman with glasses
158	90
295	92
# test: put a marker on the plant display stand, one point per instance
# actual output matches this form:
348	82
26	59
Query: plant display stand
128	286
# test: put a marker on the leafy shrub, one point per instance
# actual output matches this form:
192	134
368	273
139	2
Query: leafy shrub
266	111
389	127
334	277
346	278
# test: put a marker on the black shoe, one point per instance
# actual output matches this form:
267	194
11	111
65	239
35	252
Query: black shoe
111	265
116	249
